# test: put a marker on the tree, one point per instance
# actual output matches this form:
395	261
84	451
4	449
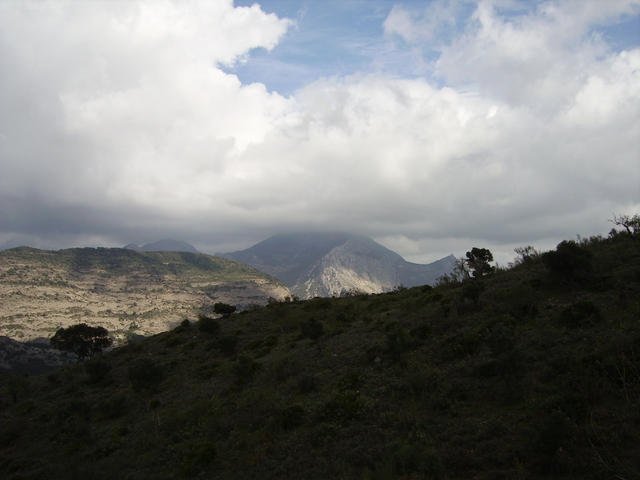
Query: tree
81	339
478	262
224	309
568	261
630	224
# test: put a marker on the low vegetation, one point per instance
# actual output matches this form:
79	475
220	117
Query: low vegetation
527	372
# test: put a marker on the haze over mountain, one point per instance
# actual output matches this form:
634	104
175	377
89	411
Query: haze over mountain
165	245
328	264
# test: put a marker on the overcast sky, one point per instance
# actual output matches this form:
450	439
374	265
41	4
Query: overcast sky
431	126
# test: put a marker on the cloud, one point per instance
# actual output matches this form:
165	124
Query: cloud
123	126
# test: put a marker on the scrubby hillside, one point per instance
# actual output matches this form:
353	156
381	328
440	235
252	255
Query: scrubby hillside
126	291
528	373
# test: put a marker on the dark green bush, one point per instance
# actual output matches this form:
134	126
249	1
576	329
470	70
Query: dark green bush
199	455
307	384
246	369
227	344
580	315
145	374
471	290
292	417
285	368
462	344
342	408
224	309
312	329
317	304
97	369
208	325
569	261
398	342
113	407
409	461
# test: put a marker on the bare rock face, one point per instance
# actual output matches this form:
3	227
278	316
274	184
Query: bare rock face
330	264
125	291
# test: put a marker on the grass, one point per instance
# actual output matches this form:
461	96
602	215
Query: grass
537	377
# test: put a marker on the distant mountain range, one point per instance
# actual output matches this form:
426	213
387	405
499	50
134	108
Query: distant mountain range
329	264
165	245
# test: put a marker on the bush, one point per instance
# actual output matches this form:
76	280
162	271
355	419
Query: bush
224	309
580	315
208	325
569	261
97	369
285	368
398	342
307	384
227	344
199	456
342	408
291	417
246	369
312	329
409	461
145	374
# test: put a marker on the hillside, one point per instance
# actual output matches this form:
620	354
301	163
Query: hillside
165	245
126	291
532	372
331	264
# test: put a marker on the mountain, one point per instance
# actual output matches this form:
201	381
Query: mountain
163	246
534	373
329	264
126	291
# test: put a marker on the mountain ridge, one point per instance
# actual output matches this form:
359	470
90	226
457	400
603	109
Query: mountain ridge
329	264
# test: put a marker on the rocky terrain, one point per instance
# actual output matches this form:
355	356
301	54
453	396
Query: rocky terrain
126	291
331	264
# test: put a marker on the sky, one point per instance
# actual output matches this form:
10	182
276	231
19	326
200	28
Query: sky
431	126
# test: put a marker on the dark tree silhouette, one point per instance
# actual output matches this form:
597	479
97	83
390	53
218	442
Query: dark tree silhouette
81	339
224	309
478	261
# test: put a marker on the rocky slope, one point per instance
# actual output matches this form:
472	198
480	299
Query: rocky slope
126	291
329	264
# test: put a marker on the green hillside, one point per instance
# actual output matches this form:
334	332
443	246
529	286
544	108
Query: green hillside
532	372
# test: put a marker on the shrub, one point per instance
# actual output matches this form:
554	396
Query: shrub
97	369
224	309
246	369
422	332
227	344
291	417
145	374
569	261
342	408
199	456
208	325
113	407
398	342
581	314
312	329
307	384
285	368
409	461
471	291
